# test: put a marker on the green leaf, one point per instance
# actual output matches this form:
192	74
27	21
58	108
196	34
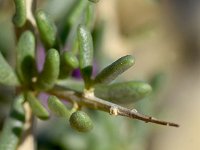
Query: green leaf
157	81
19	19
26	65
38	109
123	93
94	1
112	71
71	84
56	106
46	28
68	62
80	121
85	53
50	72
90	16
7	75
72	19
13	126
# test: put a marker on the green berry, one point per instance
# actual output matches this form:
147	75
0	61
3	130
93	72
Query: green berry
80	121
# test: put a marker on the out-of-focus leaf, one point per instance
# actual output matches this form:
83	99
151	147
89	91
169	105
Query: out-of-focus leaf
38	109
19	19
123	93
13	126
7	75
57	107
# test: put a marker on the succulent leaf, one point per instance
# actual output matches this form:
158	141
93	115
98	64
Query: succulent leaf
112	71
47	78
46	28
7	74
38	109
57	107
26	65
85	53
19	19
13	126
123	93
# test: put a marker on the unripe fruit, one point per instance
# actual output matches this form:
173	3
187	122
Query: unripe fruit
80	121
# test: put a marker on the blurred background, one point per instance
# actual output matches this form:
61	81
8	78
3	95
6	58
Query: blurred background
164	38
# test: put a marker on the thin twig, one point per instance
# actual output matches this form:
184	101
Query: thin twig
30	8
27	141
89	100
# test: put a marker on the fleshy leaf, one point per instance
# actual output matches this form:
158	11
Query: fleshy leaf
112	71
38	109
72	19
94	1
68	62
46	28
7	74
26	65
85	53
57	107
80	121
19	19
123	93
50	72
13	126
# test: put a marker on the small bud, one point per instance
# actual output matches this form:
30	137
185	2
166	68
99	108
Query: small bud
56	106
123	93
80	121
71	60
46	28
68	62
112	71
50	72
19	19
7	74
38	109
85	52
